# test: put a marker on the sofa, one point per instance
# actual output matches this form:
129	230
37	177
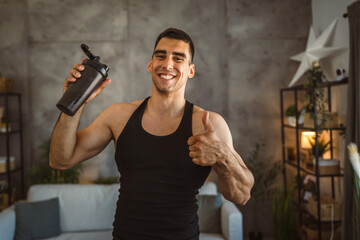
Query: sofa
86	211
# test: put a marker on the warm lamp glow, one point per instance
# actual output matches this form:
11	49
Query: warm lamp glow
305	137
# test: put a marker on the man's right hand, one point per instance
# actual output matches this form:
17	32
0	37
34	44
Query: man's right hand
75	73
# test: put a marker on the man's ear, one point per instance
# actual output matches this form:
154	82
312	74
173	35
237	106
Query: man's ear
191	71
149	67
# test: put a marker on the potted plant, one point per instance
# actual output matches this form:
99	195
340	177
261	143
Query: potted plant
290	112
264	172
283	215
41	173
323	146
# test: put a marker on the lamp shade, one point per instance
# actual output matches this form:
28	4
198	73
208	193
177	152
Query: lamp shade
306	137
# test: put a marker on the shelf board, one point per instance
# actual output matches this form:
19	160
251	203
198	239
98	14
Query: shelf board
309	171
313	129
325	84
10	132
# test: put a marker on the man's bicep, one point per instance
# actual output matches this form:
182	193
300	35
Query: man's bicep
91	140
225	135
222	129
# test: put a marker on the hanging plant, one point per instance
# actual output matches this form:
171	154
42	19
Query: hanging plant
315	80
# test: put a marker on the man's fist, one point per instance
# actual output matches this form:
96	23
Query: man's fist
75	73
206	149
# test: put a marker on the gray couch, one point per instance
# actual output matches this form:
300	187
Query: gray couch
87	212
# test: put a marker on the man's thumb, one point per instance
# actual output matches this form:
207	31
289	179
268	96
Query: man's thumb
206	121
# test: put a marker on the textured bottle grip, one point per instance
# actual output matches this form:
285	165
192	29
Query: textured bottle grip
79	92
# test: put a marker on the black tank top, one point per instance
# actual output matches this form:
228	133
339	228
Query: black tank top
159	182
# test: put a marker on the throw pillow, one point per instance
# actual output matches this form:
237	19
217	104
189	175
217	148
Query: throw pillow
36	220
209	213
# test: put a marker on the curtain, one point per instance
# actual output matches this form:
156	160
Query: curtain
349	231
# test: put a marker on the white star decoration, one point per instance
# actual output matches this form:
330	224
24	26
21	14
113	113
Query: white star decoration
315	50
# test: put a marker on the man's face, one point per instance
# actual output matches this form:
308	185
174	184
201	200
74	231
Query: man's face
170	65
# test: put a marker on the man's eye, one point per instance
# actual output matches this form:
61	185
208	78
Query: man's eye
179	59
160	56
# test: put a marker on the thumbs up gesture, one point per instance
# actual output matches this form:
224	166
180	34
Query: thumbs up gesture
206	148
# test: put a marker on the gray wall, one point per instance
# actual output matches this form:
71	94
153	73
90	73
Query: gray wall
242	60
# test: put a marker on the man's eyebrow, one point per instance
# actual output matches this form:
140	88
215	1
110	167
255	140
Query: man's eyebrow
159	51
174	53
180	54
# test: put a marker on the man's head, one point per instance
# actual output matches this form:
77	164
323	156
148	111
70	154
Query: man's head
171	62
178	34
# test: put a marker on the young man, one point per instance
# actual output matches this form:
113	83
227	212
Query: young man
165	148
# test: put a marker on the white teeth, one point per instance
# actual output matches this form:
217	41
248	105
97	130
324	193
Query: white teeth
167	77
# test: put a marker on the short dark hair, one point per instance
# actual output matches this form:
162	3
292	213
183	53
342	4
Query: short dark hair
174	33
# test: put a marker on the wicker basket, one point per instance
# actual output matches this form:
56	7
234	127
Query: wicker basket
311	233
6	85
326	205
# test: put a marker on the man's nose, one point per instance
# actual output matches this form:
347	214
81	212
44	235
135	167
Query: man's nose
169	64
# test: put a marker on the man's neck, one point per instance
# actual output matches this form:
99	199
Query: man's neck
166	105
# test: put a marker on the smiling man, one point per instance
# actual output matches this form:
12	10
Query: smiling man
165	148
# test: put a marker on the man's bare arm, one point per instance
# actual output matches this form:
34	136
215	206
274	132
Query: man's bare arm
235	179
215	148
68	145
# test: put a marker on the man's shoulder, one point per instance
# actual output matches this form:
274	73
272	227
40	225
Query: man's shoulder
117	115
120	111
198	113
123	108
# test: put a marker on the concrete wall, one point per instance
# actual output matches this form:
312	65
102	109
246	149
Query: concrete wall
242	60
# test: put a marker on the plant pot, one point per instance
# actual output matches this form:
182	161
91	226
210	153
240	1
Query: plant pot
255	236
292	120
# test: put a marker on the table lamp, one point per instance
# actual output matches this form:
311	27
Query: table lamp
306	137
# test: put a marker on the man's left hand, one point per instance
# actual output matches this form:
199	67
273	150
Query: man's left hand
206	149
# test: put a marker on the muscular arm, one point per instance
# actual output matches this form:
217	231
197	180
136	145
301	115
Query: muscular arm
235	179
215	148
69	146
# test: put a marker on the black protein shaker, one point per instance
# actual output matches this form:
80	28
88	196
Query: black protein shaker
91	77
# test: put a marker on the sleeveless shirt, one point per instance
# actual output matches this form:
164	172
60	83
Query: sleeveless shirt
159	182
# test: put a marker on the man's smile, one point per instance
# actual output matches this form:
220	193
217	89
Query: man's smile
166	76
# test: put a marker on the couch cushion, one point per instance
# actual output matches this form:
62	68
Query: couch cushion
36	220
83	207
209	213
